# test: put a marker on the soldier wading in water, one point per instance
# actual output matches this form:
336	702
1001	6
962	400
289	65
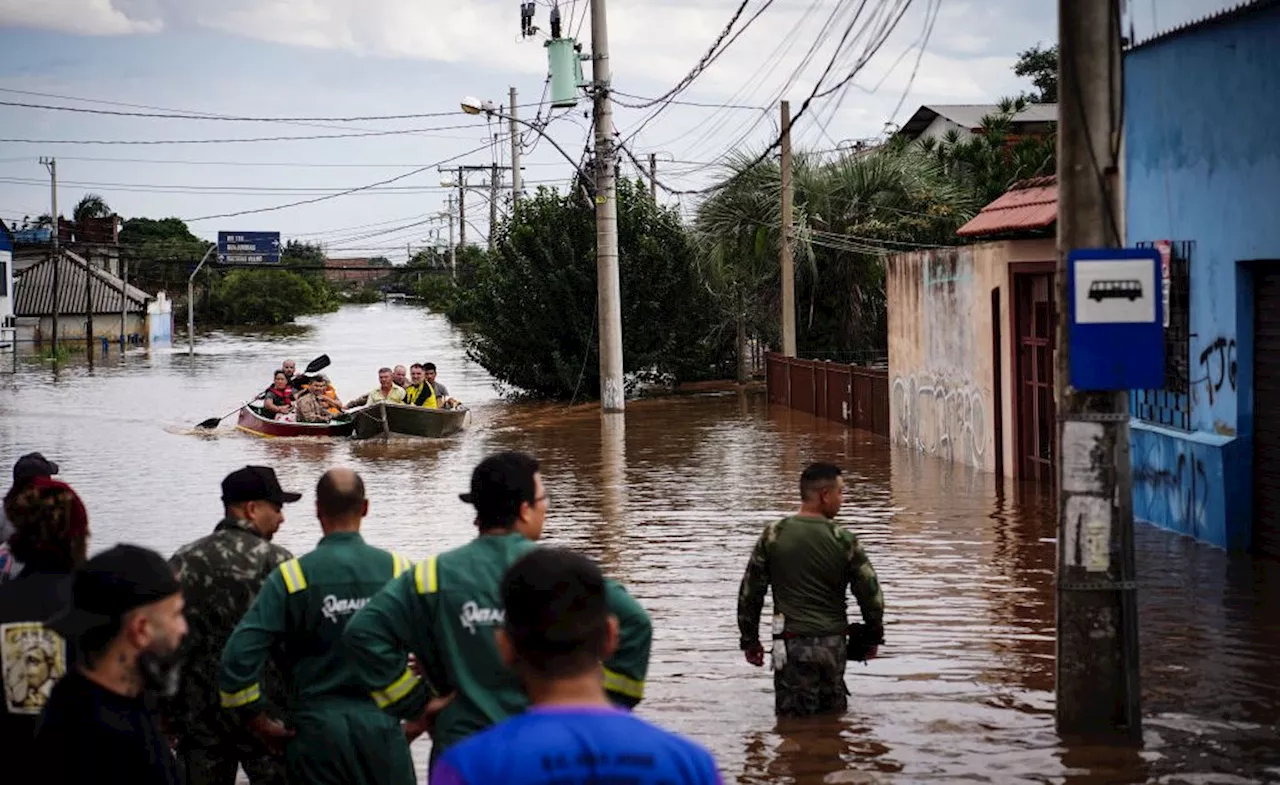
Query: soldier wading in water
809	560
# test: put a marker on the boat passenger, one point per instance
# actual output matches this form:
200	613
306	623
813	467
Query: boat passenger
313	406
446	401
421	392
331	395
400	376
387	390
296	382
278	398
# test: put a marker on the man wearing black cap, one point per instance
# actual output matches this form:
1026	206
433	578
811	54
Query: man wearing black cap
220	575
28	468
100	723
445	612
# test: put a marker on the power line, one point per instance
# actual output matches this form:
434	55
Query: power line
678	102
231	118
350	135
256	164
227	189
370	186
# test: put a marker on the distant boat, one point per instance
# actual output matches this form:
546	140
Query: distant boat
260	424
385	419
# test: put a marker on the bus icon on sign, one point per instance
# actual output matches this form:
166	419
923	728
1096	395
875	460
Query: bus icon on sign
1115	290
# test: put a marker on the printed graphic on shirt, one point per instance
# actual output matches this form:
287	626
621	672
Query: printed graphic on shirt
345	606
33	658
472	615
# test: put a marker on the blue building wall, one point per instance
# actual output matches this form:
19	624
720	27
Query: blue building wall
1201	112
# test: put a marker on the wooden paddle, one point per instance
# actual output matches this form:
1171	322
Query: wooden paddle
315	366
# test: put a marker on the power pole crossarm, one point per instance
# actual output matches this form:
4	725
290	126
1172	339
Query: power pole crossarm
612	392
1097	625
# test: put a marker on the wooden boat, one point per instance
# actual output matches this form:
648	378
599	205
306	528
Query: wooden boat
385	419
259	423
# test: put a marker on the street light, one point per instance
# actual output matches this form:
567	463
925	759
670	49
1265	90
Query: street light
474	106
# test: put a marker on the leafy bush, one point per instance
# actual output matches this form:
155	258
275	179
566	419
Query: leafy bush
533	303
266	297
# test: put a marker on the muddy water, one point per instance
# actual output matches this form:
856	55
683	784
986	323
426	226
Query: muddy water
670	501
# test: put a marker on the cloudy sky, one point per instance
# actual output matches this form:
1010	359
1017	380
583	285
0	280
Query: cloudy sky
337	59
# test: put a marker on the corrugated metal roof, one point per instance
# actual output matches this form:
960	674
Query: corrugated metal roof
33	292
1225	15
970	115
1027	206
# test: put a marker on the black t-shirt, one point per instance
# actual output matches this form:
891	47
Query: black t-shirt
89	735
32	656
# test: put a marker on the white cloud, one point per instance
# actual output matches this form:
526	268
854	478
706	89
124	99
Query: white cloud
79	17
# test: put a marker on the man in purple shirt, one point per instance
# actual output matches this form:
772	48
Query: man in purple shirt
555	633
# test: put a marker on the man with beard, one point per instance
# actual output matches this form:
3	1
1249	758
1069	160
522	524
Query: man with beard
220	576
100	722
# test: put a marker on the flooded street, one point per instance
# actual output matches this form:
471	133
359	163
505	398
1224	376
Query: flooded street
671	503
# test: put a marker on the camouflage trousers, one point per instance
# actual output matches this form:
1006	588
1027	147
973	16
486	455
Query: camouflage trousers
812	680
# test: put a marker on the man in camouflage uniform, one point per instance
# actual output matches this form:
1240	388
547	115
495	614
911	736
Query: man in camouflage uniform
809	560
220	576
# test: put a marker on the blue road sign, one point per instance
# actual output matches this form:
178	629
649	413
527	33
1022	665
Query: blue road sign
249	247
1115	328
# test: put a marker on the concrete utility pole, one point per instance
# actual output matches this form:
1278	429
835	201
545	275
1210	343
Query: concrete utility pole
788	261
493	202
612	392
462	207
124	303
1097	624
515	151
453	249
52	165
653	177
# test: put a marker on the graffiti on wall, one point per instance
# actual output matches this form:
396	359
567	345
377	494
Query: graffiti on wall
1218	366
1171	485
938	417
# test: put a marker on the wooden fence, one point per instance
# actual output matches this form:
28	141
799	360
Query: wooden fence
851	394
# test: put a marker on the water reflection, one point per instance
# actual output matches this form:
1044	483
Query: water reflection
671	498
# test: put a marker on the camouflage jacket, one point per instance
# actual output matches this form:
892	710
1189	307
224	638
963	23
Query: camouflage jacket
220	576
810	563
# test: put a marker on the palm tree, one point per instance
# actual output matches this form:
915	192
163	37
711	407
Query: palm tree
849	213
90	206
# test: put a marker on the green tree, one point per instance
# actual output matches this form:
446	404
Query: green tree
161	253
257	296
994	158
533	302
1042	66
849	213
90	206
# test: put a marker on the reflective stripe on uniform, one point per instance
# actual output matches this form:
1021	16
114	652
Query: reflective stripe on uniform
397	690
623	685
234	700
424	576
294	580
401	564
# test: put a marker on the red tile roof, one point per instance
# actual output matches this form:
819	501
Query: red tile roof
1027	206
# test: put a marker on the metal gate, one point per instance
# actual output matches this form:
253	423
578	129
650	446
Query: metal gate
1266	416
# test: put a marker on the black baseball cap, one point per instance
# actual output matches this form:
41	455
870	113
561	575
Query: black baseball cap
255	484
113	583
31	466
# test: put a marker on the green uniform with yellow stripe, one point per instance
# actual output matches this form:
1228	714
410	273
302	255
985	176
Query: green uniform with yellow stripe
342	735
445	611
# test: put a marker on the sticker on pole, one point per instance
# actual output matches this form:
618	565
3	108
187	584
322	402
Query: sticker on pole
1116	322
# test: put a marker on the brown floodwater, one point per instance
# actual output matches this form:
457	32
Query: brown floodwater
670	500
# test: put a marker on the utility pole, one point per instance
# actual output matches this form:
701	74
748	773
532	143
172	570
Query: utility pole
52	165
515	151
653	177
788	261
88	308
1097	624
493	203
462	207
124	302
453	249
608	288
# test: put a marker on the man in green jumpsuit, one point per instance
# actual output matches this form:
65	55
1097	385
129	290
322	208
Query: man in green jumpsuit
337	734
447	608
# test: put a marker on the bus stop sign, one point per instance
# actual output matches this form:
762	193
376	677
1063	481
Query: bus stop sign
1115	329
